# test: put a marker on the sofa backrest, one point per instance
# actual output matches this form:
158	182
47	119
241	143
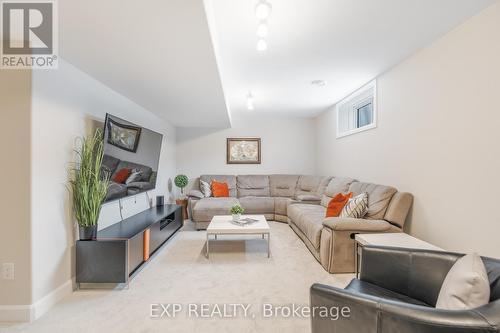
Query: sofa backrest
110	163
335	186
311	185
229	179
253	185
283	185
379	197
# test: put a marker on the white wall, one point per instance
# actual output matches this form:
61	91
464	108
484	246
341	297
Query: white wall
66	104
437	137
15	234
287	146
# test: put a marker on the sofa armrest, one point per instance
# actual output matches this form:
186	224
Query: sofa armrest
374	314
195	194
352	224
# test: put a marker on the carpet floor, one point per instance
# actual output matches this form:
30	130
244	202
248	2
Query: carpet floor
238	272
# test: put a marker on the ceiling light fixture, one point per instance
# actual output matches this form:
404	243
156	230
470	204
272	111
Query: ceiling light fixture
319	83
250	105
263	10
261	45
262	30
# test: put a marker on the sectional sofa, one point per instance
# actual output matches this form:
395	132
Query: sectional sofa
301	201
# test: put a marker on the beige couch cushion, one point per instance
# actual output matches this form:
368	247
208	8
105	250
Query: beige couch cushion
379	197
323	185
229	179
253	185
335	186
257	205
311	185
204	209
309	219
283	185
281	204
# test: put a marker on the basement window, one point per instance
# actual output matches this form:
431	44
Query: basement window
357	112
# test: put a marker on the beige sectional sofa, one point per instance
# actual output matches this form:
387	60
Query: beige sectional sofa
301	201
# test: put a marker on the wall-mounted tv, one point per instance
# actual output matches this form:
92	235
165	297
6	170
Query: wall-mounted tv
131	157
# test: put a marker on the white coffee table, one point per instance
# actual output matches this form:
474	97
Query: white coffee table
397	239
223	225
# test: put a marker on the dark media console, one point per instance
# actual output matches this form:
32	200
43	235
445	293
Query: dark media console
123	247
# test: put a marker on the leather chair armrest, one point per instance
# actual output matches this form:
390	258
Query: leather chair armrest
403	317
373	314
351	224
362	310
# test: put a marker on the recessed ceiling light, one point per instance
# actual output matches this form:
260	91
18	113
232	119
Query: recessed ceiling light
262	9
262	30
250	105
319	83
261	45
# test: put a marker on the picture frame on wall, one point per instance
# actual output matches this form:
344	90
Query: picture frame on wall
243	151
123	136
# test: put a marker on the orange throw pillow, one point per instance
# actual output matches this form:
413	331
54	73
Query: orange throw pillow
122	175
220	190
337	203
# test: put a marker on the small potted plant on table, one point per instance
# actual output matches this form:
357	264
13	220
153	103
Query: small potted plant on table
236	211
181	182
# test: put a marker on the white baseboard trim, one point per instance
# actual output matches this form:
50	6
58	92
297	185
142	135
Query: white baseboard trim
15	313
29	313
44	304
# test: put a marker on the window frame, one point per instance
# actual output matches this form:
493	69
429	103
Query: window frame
355	100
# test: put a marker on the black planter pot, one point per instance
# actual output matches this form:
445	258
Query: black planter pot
88	233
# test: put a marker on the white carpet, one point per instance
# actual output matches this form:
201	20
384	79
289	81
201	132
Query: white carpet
238	272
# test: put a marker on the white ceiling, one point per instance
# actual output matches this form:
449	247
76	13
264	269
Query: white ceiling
162	54
157	53
345	42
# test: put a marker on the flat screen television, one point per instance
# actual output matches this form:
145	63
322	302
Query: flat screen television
131	157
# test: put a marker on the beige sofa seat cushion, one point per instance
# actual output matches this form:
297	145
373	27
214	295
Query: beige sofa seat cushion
253	185
283	185
257	205
229	179
361	225
206	208
379	197
281	205
308	219
335	186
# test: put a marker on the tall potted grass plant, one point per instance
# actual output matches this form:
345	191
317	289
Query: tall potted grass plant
89	184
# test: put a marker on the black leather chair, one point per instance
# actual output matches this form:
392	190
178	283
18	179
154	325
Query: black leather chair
397	293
